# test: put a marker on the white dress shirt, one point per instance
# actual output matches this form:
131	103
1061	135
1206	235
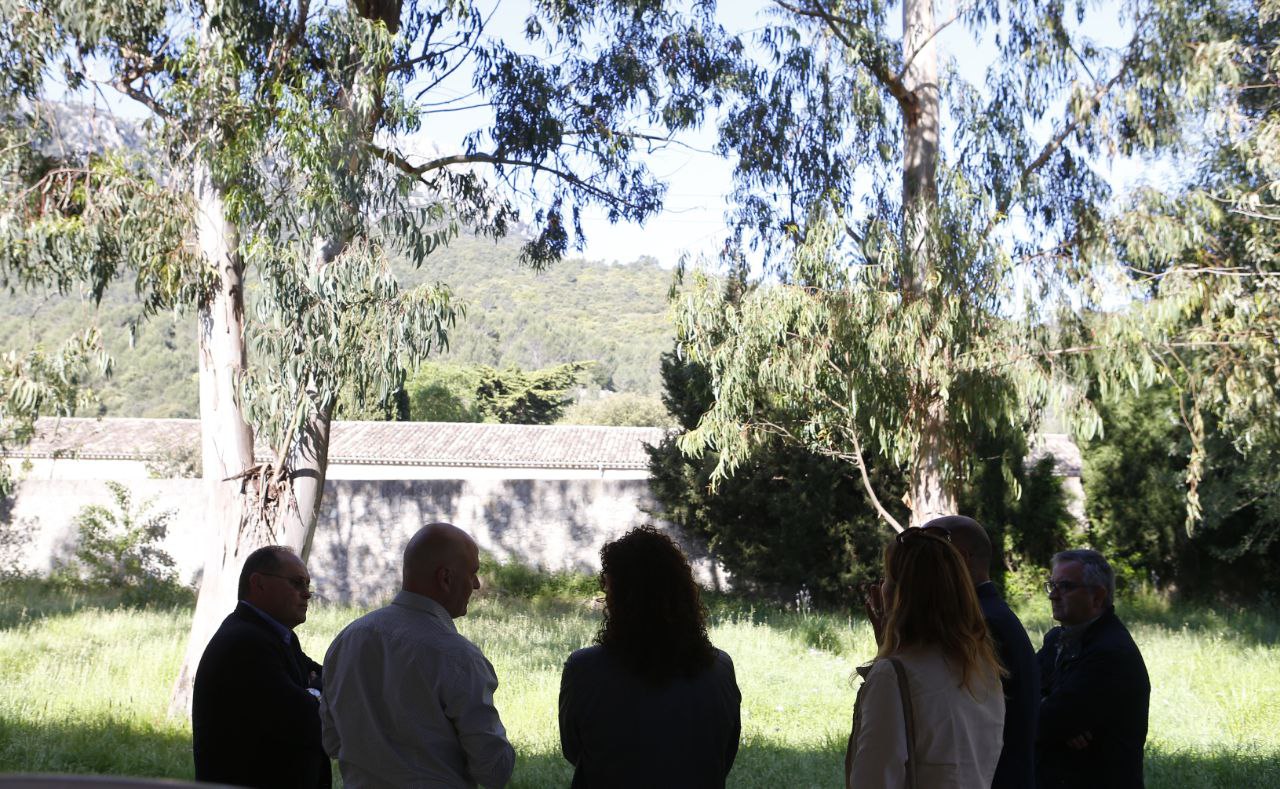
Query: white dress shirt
408	702
959	733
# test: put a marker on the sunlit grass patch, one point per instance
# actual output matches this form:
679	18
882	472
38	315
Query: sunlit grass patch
86	682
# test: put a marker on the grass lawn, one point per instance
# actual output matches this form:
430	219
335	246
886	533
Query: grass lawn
84	684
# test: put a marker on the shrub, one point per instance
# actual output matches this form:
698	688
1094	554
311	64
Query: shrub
120	548
625	409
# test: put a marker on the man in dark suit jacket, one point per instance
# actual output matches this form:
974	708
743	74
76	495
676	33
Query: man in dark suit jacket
255	712
1096	692
1016	768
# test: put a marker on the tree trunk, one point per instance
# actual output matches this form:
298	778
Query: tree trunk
307	463
226	438
929	491
307	466
930	494
920	144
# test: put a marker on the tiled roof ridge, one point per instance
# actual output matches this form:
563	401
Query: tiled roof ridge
366	442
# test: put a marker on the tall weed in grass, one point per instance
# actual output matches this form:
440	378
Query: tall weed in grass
86	680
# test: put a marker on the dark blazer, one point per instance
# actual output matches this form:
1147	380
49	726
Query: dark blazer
1016	768
1098	685
252	719
620	731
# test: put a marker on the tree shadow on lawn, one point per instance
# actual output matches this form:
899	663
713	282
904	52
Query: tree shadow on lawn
1248	626
759	764
1202	769
103	746
1255	626
27	600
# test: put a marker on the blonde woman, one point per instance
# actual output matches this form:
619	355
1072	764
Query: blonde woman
930	712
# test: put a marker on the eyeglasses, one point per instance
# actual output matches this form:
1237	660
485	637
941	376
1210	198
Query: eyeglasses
300	584
1063	586
918	531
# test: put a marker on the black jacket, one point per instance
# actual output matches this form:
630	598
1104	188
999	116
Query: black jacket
1098	685
1016	768
252	719
620	731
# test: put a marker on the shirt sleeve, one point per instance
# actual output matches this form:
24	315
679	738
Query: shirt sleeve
880	750
570	741
329	737
734	704
328	731
468	703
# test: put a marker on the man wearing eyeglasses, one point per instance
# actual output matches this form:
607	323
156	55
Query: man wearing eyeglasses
1094	683
255	716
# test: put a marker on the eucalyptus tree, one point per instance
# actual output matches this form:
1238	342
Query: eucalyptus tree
281	181
936	241
1206	257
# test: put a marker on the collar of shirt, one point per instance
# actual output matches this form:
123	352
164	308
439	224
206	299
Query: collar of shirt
285	633
426	605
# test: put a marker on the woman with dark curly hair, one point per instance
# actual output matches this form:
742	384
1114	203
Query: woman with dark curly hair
653	703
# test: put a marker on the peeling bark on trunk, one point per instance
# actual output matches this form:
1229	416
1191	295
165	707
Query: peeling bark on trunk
226	439
930	497
307	466
929	493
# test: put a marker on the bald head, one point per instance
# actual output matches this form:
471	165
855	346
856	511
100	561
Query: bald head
968	536
441	562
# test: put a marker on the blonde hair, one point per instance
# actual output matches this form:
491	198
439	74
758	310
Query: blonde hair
934	605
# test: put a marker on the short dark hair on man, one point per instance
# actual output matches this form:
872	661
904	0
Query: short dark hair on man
1096	570
264	560
653	620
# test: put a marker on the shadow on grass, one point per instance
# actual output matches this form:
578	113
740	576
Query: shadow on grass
1252	627
1200	769
760	765
25	600
103	746
1256	626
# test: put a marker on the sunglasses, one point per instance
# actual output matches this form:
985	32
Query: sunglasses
1063	586
921	531
300	584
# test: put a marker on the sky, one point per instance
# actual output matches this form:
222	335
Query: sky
693	220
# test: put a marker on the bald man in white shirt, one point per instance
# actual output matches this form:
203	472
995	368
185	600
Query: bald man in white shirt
408	700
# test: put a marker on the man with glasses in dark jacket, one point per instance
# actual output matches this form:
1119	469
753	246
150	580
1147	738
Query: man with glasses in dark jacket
255	711
1095	688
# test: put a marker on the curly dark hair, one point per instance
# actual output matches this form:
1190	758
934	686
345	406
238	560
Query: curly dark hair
654	620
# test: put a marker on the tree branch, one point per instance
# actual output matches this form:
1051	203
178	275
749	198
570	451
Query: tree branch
871	57
902	72
418	171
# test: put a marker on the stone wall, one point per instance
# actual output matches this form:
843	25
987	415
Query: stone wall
355	556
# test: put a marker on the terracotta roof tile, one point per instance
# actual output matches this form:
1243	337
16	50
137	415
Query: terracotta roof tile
375	443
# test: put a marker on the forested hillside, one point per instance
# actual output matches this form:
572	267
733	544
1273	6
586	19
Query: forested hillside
614	315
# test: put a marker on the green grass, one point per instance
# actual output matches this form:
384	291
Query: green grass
86	680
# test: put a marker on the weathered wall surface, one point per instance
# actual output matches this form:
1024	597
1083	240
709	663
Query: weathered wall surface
355	557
